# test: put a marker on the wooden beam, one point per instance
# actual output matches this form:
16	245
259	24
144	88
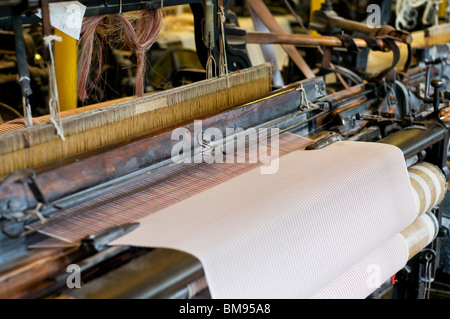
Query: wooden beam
302	39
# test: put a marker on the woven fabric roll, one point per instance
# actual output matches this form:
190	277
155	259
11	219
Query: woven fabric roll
429	186
371	272
364	277
420	233
289	234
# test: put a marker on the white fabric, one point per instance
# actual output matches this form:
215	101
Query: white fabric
289	234
371	272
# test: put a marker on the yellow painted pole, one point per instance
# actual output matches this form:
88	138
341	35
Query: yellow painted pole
442	10
315	5
66	70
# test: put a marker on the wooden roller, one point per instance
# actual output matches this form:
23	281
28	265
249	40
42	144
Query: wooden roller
303	40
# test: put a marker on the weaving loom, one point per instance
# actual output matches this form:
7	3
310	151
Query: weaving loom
229	186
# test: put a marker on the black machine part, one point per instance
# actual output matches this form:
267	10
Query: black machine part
158	274
433	138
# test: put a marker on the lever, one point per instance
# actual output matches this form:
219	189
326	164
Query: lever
436	84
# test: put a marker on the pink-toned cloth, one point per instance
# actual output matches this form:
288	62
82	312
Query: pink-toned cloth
368	274
289	234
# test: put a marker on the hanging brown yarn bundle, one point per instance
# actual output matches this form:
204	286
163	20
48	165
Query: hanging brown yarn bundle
137	31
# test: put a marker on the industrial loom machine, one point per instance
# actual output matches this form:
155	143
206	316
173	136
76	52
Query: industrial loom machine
152	185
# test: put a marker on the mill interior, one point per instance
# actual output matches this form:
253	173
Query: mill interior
219	149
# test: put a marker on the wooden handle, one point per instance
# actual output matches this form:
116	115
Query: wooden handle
302	39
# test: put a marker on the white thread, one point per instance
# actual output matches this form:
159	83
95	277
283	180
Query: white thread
430	17
120	7
49	38
36	211
58	128
54	106
28	118
407	13
427	279
210	66
223	53
305	104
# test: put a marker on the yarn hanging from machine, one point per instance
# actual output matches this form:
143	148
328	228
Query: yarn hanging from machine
136	31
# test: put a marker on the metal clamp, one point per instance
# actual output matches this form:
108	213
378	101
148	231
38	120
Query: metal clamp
16	215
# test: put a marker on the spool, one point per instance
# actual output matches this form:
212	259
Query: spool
429	186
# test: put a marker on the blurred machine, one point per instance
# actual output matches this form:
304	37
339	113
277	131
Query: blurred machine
327	95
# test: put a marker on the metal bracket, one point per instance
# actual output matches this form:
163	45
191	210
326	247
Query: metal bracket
14	214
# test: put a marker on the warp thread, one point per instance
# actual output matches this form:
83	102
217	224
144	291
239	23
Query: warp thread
223	52
138	31
28	118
